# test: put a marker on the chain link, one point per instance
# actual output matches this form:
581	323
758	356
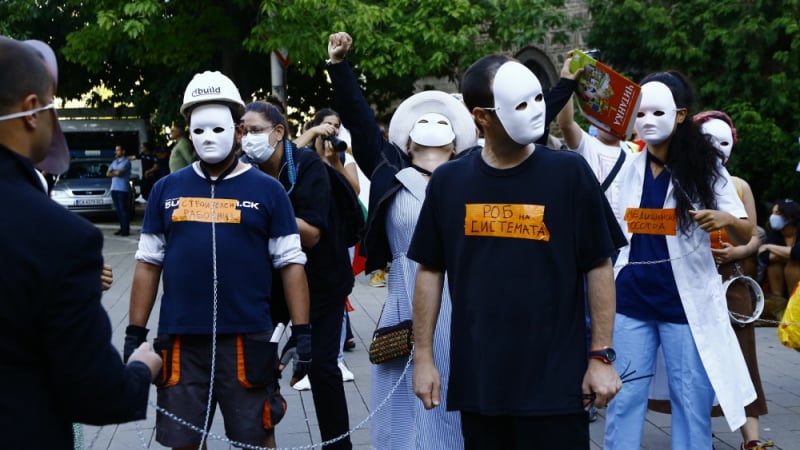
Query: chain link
305	447
204	431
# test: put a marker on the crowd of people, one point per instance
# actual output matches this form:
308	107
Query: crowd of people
590	277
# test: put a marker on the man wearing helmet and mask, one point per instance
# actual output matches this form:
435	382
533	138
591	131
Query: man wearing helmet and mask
215	230
516	227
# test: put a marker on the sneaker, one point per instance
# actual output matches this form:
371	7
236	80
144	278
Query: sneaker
756	445
303	385
347	375
140	199
378	278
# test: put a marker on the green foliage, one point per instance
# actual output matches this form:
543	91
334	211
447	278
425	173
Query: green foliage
741	58
146	51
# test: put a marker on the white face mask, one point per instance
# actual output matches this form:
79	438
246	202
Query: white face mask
213	132
257	146
720	135
655	120
777	222
519	102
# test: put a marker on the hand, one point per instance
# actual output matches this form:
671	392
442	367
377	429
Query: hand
725	254
565	71
302	335
106	277
289	353
427	382
710	219
144	353
134	337
338	46
602	380
324	130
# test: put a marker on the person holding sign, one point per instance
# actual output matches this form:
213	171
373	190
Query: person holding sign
668	290
515	227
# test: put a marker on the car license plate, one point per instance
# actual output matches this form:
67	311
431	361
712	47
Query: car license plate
88	201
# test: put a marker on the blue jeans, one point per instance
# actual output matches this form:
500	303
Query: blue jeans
690	391
120	199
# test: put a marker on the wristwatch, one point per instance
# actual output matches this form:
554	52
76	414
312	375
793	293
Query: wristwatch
605	354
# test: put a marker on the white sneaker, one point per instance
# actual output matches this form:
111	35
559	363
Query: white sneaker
347	375
140	199
303	385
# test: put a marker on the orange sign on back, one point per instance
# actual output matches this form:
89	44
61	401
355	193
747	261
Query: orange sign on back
516	221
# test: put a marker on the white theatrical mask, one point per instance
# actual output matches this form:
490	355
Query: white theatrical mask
519	102
720	135
655	120
213	132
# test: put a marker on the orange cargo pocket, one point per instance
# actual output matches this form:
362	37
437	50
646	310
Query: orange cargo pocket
169	348
256	360
274	407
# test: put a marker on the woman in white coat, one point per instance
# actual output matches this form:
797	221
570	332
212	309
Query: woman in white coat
668	291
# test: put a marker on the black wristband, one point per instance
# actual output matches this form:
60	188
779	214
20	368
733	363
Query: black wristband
301	329
137	331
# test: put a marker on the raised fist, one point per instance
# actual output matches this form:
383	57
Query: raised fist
338	46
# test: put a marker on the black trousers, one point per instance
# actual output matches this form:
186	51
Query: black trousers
570	432
327	388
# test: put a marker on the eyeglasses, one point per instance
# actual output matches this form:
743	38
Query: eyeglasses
257	130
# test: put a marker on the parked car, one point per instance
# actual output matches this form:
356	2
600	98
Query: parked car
85	188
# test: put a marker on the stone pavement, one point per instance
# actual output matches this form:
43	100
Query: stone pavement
780	372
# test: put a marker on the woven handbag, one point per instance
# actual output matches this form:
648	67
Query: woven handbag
390	343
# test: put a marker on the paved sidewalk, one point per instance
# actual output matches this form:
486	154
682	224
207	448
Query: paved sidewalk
780	372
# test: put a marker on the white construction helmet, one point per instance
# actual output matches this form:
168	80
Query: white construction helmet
211	87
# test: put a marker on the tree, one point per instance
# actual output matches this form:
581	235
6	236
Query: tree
740	56
146	51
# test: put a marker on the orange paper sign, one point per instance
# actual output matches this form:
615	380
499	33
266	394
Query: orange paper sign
652	221
198	209
506	221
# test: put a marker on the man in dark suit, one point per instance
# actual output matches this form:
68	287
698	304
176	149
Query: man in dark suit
58	364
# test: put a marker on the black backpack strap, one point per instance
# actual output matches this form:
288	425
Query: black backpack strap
614	170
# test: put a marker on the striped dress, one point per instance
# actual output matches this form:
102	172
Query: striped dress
403	423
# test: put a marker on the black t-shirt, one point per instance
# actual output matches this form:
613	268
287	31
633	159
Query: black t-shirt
328	269
515	244
148	161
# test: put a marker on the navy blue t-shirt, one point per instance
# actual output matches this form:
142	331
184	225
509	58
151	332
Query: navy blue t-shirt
648	291
250	209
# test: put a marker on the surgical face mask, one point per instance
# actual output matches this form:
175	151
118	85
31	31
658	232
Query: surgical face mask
257	146
27	113
519	102
719	134
213	132
777	222
655	120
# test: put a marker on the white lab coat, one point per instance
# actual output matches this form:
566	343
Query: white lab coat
700	289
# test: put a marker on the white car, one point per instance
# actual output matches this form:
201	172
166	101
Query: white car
85	188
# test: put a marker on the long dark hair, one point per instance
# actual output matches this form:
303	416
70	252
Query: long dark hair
790	210
693	162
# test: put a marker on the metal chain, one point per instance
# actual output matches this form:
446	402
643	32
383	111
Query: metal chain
213	319
305	447
772	322
666	260
204	431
